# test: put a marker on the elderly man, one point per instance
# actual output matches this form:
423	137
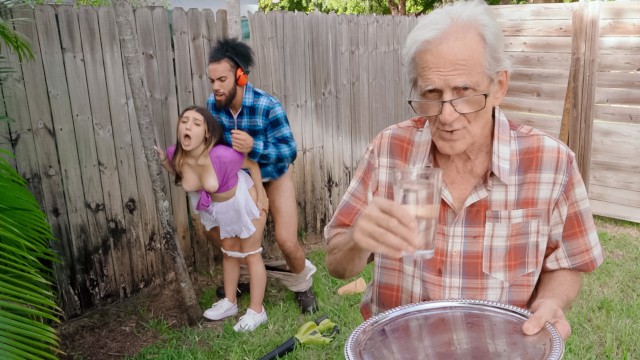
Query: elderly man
514	225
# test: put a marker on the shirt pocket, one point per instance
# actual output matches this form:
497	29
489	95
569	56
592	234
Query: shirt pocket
513	243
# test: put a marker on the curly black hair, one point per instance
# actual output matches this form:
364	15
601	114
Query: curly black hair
239	53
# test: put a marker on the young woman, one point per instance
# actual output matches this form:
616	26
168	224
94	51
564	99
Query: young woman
226	198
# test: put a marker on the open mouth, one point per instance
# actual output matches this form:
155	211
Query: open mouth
186	140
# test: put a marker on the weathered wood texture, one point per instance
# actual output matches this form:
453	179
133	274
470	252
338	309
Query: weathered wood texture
341	80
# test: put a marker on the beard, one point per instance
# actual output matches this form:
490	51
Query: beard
226	102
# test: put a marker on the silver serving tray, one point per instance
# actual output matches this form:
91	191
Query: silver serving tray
452	329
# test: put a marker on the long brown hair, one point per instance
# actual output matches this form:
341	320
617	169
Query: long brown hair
213	137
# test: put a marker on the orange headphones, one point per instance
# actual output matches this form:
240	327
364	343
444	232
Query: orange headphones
242	76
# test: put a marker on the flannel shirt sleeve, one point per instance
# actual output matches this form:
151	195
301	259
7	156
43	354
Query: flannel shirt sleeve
363	185
278	145
573	242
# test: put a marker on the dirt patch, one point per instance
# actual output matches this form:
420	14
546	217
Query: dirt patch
123	329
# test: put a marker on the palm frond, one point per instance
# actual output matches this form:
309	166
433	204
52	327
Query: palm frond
27	306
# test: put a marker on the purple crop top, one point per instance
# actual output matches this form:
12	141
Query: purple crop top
226	164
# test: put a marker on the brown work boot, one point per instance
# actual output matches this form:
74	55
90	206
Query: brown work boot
306	301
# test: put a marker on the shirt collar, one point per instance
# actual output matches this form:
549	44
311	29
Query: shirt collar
247	98
501	154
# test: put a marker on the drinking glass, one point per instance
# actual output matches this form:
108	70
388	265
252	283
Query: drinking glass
418	190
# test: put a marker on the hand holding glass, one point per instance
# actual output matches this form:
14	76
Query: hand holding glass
418	191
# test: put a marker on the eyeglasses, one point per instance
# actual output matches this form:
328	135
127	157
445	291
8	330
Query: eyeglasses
462	105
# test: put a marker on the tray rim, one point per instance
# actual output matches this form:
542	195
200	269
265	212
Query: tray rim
556	352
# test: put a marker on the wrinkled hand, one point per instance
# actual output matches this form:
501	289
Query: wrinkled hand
385	228
547	311
241	141
161	155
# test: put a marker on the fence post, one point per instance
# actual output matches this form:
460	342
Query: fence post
577	120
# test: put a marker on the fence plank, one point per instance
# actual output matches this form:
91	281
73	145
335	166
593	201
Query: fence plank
201	250
146	42
617	114
620	10
169	123
537	27
619	45
100	242
620	27
542	44
363	127
342	118
16	135
293	100
184	83
105	147
523	12
615	210
46	180
540	60
136	232
197	56
539	77
87	249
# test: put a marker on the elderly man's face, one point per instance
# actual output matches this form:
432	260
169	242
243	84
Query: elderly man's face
454	67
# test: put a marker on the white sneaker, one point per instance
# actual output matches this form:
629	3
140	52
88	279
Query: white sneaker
220	310
250	321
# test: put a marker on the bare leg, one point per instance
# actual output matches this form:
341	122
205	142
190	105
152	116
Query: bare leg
231	268
257	281
283	208
257	272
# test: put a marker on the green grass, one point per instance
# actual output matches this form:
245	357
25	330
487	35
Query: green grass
605	318
221	342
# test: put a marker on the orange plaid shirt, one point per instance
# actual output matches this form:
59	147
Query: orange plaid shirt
531	215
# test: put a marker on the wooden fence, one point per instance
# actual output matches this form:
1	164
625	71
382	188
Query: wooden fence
341	80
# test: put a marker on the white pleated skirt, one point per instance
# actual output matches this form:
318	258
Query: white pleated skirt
232	216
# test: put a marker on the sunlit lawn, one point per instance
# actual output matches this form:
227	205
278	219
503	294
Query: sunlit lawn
605	318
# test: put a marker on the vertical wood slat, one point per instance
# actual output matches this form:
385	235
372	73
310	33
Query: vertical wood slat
105	147
89	258
184	84
584	50
46	179
185	96
153	245
293	100
254	41
197	56
343	160
315	136
17	133
201	88
135	231
99	244
169	108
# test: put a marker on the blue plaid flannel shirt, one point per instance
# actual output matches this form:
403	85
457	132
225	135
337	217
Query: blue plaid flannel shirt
263	117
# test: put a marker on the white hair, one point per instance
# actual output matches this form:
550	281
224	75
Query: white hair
472	14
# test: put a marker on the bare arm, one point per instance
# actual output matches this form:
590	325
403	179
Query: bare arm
166	164
382	227
555	292
256	176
